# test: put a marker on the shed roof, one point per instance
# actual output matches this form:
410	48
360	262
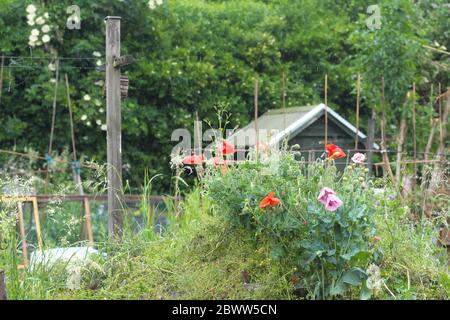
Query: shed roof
297	120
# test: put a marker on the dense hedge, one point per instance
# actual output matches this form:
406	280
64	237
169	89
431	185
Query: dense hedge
192	55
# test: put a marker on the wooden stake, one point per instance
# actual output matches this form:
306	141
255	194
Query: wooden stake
76	175
387	168
358	84
441	136
37	223
114	130
414	135
326	109
256	115
1	78
52	128
22	233
284	100
87	216
370	140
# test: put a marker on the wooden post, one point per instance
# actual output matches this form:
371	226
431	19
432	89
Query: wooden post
87	217
37	222
256	117
52	128
370	140
22	233
284	100
326	109
76	174
114	134
441	137
387	167
1	77
358	85
414	136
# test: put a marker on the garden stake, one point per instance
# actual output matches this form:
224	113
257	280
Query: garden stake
76	173
387	167
22	233
52	129
357	110
326	109
284	100
441	137
1	77
256	118
414	137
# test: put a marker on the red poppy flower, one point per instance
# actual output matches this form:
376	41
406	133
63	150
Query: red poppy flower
269	201
294	280
193	160
226	148
334	152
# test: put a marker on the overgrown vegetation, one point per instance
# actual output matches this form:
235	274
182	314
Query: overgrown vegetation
220	243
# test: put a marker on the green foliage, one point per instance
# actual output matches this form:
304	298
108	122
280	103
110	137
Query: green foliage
193	54
330	249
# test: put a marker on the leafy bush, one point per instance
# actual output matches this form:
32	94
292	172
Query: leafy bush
330	249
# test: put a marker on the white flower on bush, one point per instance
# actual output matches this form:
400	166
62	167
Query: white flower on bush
99	63
88	123
83	117
97	102
98	122
46	16
30	18
45	28
99	83
35	32
96	54
52	66
31	8
40	21
46	38
32	38
152	4
101	110
104	127
87	97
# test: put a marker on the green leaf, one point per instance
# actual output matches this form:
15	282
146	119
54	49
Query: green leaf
339	288
354	276
350	254
366	293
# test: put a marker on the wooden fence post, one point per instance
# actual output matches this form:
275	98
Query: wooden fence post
114	134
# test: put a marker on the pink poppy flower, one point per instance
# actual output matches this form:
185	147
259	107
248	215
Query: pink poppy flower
323	195
333	202
359	158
